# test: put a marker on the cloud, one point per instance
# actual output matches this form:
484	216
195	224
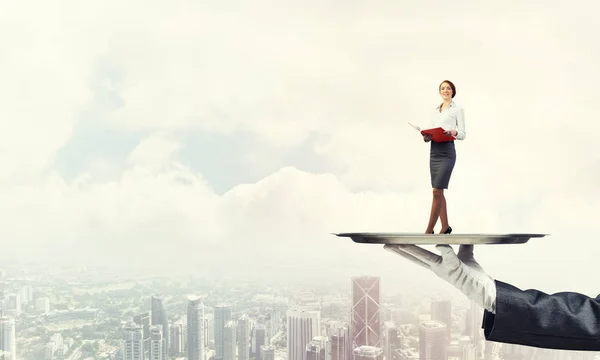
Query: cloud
349	76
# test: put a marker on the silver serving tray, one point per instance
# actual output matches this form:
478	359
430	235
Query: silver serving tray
435	239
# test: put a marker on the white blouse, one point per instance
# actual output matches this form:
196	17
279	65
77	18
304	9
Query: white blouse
451	118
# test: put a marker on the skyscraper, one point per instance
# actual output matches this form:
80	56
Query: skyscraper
8	345
340	341
195	328
157	343
143	320
229	341
316	349
133	342
243	338
159	317
432	341
176	338
222	317
441	310
366	322
302	327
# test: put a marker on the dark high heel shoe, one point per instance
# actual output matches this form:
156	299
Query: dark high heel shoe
448	230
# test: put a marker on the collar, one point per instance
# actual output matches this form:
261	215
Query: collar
449	106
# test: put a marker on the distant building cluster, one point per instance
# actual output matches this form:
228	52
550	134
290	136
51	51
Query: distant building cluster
48	324
301	333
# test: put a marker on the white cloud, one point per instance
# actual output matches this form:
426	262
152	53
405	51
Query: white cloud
353	75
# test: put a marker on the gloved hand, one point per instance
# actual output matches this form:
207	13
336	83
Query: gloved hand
461	271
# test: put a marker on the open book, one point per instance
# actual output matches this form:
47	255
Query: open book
436	133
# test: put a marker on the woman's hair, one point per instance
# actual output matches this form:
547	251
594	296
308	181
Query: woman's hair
451	85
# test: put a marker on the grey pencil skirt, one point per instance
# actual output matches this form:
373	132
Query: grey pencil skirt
442	158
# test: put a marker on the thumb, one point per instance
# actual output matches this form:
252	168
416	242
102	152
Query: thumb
448	255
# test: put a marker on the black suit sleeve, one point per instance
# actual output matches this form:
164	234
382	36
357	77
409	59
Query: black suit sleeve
565	320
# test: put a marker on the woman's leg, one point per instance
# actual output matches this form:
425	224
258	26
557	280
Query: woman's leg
444	215
436	206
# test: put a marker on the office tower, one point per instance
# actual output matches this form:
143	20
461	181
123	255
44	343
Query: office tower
159	317
259	338
222	317
432	341
157	343
195	329
469	352
340	342
302	327
133	342
368	353
391	341
316	349
366	326
473	320
243	338
8	345
143	320
12	304
229	341
267	352
42	305
26	294
209	329
441	310
176	338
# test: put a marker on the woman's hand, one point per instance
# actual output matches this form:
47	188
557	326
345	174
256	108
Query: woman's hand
427	137
451	133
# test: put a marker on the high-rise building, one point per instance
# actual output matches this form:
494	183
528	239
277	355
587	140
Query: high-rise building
143	320
176	338
42	305
229	341
469	352
160	317
302	327
243	338
26	294
340	342
316	349
259	338
157	343
133	342
195	329
368	353
222	317
473	322
441	310
432	341
209	329
8	344
366	321
391	341
267	352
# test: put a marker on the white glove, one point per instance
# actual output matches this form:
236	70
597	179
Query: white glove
462	271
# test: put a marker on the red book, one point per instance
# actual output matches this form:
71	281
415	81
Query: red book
437	133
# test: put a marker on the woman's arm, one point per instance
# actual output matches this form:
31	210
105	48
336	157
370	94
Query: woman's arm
565	320
461	132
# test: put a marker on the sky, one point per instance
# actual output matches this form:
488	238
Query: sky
229	138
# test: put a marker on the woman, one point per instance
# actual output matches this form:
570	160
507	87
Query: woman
451	118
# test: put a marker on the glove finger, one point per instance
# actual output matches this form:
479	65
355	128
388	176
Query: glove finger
396	250
448	255
425	256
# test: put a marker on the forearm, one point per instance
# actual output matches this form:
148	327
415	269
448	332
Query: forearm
461	132
566	320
